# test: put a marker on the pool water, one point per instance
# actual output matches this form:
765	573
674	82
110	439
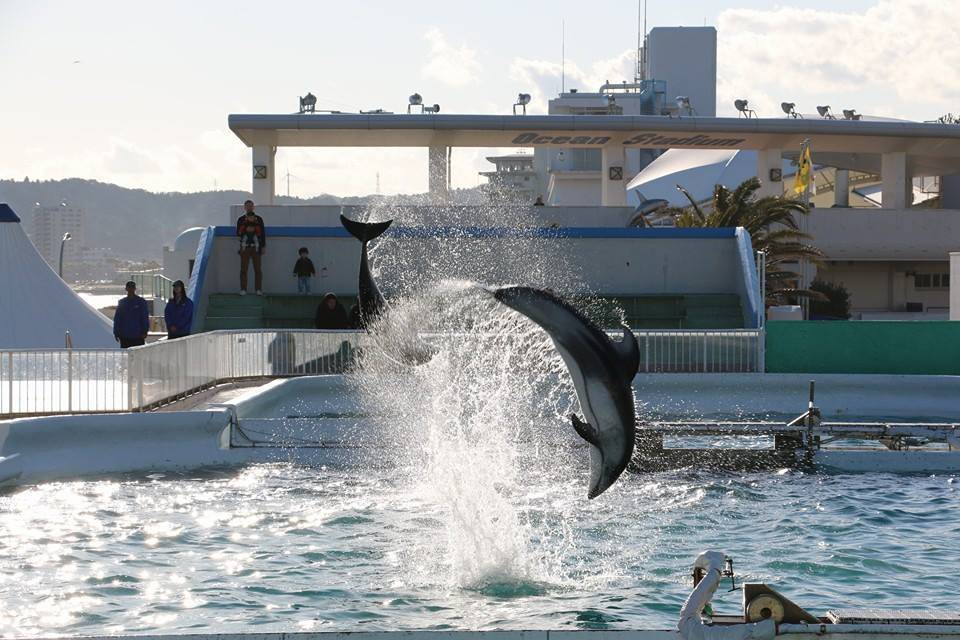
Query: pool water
282	547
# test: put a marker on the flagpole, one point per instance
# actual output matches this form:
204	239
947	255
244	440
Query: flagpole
805	223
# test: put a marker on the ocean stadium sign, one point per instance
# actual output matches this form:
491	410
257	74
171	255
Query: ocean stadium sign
646	139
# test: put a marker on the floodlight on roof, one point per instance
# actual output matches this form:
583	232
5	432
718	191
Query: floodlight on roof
415	100
790	108
825	112
434	109
683	104
523	100
850	114
308	103
744	108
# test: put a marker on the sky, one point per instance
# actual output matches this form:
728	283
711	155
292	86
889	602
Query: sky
138	94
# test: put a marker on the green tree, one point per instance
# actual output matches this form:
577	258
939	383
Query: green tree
836	302
772	224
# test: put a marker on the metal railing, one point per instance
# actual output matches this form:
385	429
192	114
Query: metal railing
701	351
151	284
55	381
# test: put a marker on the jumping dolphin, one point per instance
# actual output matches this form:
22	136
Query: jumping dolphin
602	372
371	302
410	350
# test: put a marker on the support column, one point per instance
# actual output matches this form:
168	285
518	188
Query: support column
438	173
841	188
264	176
769	172
896	181
955	285
613	191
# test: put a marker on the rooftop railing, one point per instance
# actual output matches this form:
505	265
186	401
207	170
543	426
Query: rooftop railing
60	381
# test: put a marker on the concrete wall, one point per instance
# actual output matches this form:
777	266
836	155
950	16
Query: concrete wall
39	449
686	58
886	285
885	234
652	261
931	348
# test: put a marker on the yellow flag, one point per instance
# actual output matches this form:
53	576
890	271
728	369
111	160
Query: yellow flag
804	166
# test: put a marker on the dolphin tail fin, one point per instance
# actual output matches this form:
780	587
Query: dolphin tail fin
629	352
585	430
364	231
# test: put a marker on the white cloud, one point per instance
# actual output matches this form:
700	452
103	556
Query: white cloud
898	56
542	78
456	66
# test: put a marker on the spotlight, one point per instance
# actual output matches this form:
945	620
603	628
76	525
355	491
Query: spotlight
850	114
308	103
825	113
415	100
683	104
523	100
790	109
744	108
428	109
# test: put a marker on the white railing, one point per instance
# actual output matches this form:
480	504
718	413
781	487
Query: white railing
54	381
98	381
151	284
701	351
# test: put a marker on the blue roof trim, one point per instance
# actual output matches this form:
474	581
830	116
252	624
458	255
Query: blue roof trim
498	232
7	214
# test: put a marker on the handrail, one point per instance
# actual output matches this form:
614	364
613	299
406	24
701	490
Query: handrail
56	381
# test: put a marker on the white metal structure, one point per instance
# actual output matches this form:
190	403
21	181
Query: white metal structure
37	308
57	381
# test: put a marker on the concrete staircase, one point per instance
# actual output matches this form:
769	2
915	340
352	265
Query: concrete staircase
683	311
690	311
233	311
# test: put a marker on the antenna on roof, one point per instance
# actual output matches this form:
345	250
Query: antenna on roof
641	40
563	56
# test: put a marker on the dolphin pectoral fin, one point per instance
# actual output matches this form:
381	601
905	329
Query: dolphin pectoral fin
585	430
629	352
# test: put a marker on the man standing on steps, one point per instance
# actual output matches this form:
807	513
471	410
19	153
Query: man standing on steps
253	243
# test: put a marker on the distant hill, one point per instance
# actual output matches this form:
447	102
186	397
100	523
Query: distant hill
138	223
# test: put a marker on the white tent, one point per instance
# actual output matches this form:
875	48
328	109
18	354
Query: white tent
697	171
36	307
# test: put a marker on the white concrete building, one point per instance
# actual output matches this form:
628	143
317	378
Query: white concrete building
48	227
513	180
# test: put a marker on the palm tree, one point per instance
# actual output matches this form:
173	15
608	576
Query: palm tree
772	227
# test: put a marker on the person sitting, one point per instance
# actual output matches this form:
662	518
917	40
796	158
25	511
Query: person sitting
178	313
331	314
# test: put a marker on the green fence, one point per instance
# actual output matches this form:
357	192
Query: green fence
863	347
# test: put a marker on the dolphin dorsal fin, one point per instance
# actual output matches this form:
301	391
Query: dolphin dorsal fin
629	352
585	430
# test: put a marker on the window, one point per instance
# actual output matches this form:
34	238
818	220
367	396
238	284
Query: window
931	280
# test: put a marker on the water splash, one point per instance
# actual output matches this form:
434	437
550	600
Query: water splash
477	424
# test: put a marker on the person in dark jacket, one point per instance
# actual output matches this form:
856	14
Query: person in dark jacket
331	314
304	270
253	244
178	312
131	321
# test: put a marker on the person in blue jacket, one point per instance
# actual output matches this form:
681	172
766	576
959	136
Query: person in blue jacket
132	319
178	312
